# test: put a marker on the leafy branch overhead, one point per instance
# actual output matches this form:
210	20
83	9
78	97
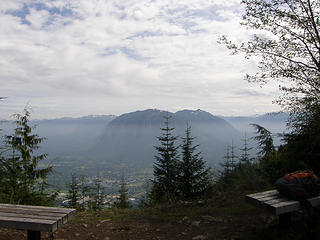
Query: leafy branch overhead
287	43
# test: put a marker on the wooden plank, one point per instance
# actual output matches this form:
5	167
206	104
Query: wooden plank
279	200
266	200
34	218
284	207
59	216
263	194
40	211
259	204
290	206
31	216
31	212
269	198
315	201
28	224
37	208
277	203
68	216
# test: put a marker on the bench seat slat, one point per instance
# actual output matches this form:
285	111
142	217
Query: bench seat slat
37	208
42	225
263	194
272	200
33	218
31	212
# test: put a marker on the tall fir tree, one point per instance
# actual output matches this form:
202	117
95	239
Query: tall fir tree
233	156
84	190
166	167
244	158
24	181
97	196
265	143
229	163
194	176
73	194
226	164
123	199
270	160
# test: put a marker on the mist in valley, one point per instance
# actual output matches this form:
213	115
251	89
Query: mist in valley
110	145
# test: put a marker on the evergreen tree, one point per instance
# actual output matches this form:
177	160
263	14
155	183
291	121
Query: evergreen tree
271	162
24	181
194	177
233	157
229	163
97	194
245	159
73	192
226	164
84	190
123	201
166	167
265	143
229	167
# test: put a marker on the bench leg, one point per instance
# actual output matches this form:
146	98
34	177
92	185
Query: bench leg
285	220
34	235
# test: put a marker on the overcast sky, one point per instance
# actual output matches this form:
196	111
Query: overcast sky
89	57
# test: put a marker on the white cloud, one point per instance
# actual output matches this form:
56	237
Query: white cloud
114	57
37	18
9	5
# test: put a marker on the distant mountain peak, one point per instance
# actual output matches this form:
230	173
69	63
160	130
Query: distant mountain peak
150	117
188	111
197	116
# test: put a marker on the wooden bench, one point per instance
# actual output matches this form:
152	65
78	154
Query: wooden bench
278	204
34	219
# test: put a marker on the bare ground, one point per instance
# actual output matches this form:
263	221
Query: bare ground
234	222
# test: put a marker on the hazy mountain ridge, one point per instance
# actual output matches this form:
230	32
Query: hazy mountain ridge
65	136
85	119
274	122
131	137
144	117
198	116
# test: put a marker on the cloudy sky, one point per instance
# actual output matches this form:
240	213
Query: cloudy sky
84	57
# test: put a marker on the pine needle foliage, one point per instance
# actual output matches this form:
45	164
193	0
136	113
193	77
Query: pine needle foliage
73	194
166	167
24	182
265	142
123	199
194	179
244	158
97	195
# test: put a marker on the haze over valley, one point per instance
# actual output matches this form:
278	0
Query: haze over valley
112	145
